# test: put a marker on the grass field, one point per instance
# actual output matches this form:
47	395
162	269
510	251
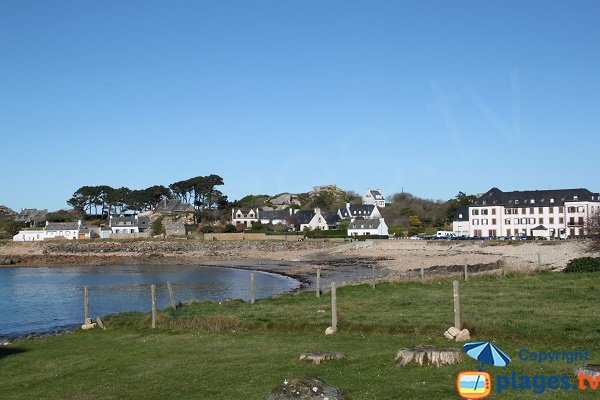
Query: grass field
236	350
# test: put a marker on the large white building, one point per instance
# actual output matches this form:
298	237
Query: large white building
545	213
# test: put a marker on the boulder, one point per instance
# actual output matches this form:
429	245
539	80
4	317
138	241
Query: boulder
318	358
306	389
463	336
87	327
329	331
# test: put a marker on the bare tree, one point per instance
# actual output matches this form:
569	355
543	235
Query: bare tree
593	233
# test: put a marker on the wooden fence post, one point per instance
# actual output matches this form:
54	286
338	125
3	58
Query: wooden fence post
252	288
318	282
154	311
333	308
171	296
539	255
456	296
466	271
86	305
503	266
422	274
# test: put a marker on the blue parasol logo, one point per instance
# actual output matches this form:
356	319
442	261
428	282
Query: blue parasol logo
487	353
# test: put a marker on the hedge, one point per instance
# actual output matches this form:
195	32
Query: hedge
584	264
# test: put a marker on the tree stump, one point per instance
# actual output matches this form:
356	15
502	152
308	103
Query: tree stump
592	370
305	389
429	355
318	358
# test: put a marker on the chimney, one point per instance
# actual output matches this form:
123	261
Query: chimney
46	223
79	223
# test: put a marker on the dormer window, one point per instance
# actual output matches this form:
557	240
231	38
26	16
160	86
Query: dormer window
575	198
516	201
532	201
551	201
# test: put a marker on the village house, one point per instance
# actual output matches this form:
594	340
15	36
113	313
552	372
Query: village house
131	224
362	211
55	230
373	197
244	217
274	217
540	213
32	217
311	220
362	227
173	206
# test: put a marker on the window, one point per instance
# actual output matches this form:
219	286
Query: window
508	211
532	221
484	222
493	211
507	221
551	210
580	220
561	210
475	212
524	221
561	220
572	209
516	221
477	232
572	221
484	212
551	201
494	221
493	233
516	201
523	211
580	209
531	210
460	216
575	198
551	220
532	201
541	210
508	231
541	221
475	222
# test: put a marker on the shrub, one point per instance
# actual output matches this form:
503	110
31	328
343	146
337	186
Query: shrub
229	228
157	227
584	264
207	229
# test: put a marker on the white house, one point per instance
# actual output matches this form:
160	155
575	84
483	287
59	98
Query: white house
373	197
55	230
460	224
274	217
361	227
362	211
310	219
132	224
548	213
244	217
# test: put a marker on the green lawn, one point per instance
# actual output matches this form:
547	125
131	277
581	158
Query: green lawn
241	351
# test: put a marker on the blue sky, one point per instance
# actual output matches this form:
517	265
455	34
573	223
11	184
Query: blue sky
431	97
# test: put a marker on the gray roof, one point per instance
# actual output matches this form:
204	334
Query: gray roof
357	210
31	215
304	216
540	198
462	214
376	194
365	224
540	228
62	226
173	206
271	215
140	222
332	219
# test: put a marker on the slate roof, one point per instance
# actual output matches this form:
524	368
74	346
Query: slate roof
140	222
173	206
357	210
332	219
462	214
365	224
495	196
376	194
271	215
62	226
31	214
304	216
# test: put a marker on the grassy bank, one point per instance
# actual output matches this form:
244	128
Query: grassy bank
241	351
